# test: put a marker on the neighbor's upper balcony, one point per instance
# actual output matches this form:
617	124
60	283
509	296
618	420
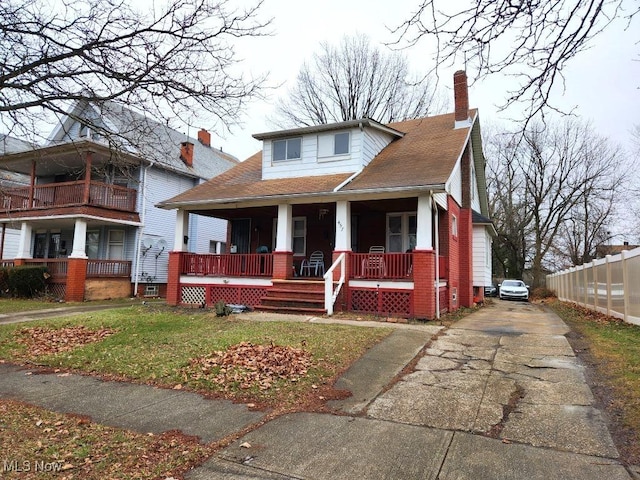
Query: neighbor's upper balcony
69	194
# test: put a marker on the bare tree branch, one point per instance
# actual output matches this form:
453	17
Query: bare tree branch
169	63
533	41
355	80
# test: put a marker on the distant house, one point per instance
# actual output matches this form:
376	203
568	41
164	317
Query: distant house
395	215
83	203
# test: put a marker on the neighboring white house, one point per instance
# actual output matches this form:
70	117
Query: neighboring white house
87	197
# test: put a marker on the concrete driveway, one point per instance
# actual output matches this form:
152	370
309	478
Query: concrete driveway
500	394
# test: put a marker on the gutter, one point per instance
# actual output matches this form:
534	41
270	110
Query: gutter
438	187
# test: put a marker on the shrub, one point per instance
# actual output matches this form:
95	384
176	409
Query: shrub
4	285
26	281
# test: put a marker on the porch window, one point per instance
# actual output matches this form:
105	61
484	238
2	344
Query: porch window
401	231
115	245
289	149
299	235
92	247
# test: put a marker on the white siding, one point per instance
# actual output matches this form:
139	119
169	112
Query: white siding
365	145
454	184
481	256
374	142
11	240
160	224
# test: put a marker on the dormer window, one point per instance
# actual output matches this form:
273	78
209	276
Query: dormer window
333	144
289	149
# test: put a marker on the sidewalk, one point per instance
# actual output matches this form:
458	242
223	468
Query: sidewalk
498	395
59	311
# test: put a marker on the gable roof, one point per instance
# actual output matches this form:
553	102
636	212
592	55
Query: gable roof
421	158
145	138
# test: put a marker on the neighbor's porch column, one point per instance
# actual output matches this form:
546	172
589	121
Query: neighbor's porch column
24	245
343	236
180	245
181	238
283	254
424	303
77	264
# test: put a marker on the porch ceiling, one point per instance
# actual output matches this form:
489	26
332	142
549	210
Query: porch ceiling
58	159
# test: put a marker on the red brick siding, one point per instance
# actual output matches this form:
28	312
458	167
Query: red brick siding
76	277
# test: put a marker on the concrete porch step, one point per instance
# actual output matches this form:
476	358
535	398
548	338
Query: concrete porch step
302	310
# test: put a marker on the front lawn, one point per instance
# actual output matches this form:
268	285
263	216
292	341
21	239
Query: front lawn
193	350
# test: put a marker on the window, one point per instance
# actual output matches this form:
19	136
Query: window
93	244
401	231
454	225
299	235
115	246
333	144
289	149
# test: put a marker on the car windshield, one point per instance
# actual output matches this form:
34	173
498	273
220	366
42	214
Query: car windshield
512	283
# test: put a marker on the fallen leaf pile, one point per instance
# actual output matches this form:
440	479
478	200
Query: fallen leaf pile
47	341
247	365
72	447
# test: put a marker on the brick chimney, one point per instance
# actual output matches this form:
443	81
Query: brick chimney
186	153
204	137
461	97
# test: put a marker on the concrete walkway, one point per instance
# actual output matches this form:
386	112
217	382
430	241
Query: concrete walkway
499	395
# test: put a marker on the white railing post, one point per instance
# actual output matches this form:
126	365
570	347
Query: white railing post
331	295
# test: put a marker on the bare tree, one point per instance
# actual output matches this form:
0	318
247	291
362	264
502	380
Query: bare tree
556	189
167	63
508	205
355	80
531	40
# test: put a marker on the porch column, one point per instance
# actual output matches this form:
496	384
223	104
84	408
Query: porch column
87	178
79	239
181	238
424	235
283	254
32	183
424	258
173	278
343	236
24	245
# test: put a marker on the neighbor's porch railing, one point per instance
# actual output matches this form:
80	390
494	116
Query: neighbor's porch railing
66	194
228	265
57	267
108	268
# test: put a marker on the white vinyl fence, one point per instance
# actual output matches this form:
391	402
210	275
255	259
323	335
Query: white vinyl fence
609	285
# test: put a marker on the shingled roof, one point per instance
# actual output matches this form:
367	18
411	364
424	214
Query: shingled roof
424	157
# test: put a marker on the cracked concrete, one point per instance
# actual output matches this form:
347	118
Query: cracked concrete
506	372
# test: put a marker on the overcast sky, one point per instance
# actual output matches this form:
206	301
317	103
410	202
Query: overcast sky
602	84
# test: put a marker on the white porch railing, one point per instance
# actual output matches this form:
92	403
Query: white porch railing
329	295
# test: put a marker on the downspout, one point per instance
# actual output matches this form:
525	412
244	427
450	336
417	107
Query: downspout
437	244
4	228
141	229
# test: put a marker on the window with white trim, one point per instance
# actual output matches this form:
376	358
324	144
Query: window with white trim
401	231
334	144
287	149
115	245
454	225
298	235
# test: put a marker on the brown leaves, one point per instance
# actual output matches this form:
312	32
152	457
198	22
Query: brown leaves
246	365
47	341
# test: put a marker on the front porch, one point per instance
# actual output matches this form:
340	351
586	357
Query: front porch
375	283
97	279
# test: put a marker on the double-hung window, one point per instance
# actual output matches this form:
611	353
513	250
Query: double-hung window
401	231
287	149
333	144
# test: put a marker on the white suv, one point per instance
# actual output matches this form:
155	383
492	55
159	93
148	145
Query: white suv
513	289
